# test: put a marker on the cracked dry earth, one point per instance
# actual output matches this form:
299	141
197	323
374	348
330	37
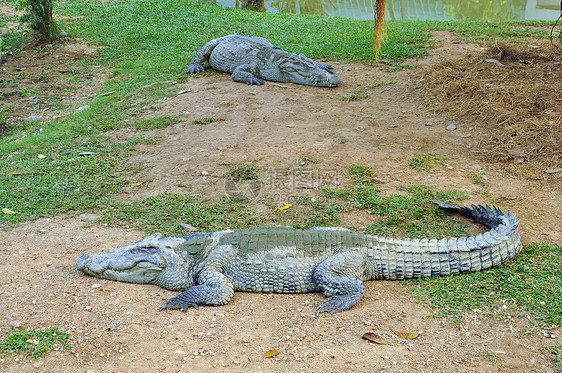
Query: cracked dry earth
116	326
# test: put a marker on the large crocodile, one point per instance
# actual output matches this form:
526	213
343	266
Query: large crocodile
250	60
209	267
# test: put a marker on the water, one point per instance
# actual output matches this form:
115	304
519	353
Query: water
412	9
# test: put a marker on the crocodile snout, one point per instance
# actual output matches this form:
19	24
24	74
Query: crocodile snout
82	260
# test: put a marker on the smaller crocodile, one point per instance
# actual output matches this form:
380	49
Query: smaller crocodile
250	60
209	267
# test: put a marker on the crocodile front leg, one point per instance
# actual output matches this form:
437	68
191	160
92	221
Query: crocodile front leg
245	74
196	65
338	277
215	289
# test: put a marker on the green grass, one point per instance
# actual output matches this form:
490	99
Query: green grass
555	352
165	212
529	285
204	121
424	162
246	171
35	343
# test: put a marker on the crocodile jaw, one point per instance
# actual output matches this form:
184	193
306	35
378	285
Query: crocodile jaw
140	262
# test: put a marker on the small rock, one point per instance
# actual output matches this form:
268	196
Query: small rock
466	136
393	125
205	173
33	118
451	127
82	108
14	324
493	60
95	286
429	124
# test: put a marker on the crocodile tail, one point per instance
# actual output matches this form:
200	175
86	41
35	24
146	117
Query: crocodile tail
489	216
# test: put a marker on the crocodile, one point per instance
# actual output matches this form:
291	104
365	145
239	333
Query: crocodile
209	267
250	60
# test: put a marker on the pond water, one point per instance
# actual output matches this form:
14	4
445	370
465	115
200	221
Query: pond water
411	9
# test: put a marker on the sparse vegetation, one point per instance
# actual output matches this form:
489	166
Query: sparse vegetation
246	171
305	160
35	343
204	121
424	162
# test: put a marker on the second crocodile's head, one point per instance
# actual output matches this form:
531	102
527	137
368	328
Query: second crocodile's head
302	70
152	260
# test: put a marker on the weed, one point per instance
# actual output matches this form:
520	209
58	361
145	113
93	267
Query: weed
555	352
478	178
35	343
204	121
342	140
11	42
360	174
152	123
424	162
246	171
305	160
490	357
358	94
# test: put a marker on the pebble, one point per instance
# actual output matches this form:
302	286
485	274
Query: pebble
451	127
429	124
82	108
33	118
14	324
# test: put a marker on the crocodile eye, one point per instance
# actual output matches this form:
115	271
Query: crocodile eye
144	250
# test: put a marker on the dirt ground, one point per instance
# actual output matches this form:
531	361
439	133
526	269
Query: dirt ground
116	326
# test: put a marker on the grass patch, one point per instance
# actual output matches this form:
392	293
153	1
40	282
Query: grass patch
204	121
164	212
305	160
424	162
246	171
532	282
35	343
555	352
355	95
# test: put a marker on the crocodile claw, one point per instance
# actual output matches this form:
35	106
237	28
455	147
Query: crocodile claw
176	304
254	81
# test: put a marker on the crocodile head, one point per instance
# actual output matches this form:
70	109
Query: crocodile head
152	260
302	70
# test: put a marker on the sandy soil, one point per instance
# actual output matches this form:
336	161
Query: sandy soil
116	326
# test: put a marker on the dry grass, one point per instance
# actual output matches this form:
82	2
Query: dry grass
512	91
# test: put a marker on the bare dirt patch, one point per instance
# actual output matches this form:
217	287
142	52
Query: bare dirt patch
115	326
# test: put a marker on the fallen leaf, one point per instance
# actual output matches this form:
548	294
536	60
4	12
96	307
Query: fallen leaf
16	172
271	353
375	338
8	211
407	335
287	206
137	184
290	125
41	156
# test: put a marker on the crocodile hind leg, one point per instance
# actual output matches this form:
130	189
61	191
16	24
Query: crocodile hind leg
338	276
214	290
